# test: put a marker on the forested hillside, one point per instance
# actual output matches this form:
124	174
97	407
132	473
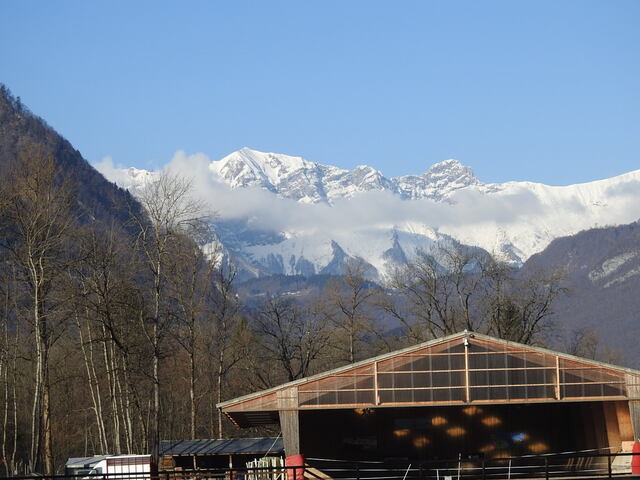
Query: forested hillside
97	198
602	271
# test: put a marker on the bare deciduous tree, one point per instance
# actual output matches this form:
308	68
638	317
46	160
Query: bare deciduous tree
37	217
171	212
190	286
453	287
348	303
437	292
518	307
585	342
224	328
291	336
10	340
108	298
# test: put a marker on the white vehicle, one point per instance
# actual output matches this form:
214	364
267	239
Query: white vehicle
121	467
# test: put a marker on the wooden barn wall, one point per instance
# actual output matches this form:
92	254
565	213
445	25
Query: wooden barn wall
444	432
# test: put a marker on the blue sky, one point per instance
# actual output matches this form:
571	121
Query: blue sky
545	91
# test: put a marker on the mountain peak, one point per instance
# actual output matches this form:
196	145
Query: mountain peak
249	167
450	164
453	172
309	182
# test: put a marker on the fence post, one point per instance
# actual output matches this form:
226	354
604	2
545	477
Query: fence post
546	468
609	463
484	471
420	473
357	471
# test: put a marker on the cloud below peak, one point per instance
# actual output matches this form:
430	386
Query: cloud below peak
529	215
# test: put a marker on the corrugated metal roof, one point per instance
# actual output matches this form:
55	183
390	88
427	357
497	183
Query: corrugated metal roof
84	462
222	447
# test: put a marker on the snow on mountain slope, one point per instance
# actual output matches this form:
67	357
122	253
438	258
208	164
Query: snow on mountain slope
285	214
440	180
549	212
309	182
312	253
292	177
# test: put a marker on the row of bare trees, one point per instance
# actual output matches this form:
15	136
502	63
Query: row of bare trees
105	328
446	290
117	336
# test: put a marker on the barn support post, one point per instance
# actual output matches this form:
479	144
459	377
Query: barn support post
467	390
558	391
612	427
290	426
624	421
633	392
634	410
289	420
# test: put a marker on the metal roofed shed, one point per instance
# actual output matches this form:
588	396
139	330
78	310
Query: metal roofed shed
205	453
120	466
466	393
82	465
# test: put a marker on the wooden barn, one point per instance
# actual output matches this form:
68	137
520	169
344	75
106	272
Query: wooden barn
465	394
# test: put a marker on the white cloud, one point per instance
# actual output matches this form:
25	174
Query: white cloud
114	173
527	215
373	209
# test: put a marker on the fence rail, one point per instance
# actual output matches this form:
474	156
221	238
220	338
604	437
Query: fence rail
549	466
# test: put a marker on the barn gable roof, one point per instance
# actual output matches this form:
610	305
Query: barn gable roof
463	368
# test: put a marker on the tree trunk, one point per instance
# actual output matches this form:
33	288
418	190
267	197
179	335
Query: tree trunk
156	400
92	380
111	379
192	393
36	419
4	375
219	387
46	421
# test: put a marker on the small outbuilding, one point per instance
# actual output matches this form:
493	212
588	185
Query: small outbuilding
233	452
465	394
82	465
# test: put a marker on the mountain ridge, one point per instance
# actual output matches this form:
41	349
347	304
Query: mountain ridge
308	206
98	198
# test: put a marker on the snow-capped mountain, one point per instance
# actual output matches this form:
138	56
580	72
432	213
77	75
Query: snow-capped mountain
309	182
302	217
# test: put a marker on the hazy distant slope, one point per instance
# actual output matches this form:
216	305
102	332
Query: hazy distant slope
97	197
603	272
